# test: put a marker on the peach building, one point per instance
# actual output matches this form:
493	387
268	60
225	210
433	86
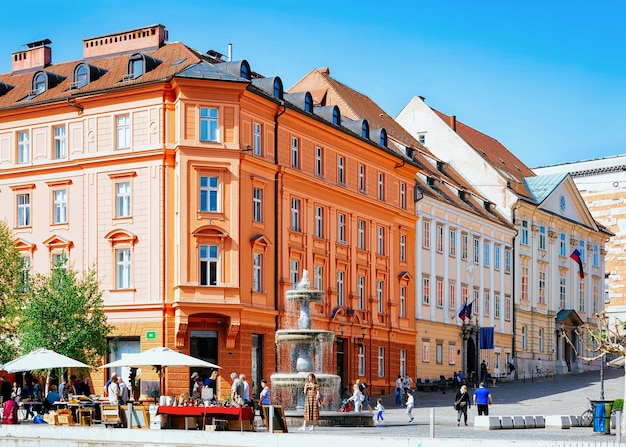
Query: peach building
201	191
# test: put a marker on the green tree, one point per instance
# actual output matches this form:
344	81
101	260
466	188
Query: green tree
10	280
64	313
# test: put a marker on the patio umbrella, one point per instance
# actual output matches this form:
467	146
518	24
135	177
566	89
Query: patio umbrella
42	359
159	357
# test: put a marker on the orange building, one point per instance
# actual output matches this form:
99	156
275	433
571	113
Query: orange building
201	192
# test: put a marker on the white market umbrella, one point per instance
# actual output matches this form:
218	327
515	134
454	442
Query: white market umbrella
42	359
160	356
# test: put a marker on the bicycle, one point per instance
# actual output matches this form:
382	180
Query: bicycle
586	419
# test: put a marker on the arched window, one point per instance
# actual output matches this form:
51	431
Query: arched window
365	129
136	66
308	102
81	76
39	83
383	138
278	88
336	116
245	70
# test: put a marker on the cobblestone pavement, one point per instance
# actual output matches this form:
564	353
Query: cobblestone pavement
562	395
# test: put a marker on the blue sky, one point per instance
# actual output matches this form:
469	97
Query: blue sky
546	78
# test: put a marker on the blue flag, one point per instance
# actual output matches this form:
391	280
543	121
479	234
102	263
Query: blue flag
486	337
468	311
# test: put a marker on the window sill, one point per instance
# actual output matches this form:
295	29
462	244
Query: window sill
122	290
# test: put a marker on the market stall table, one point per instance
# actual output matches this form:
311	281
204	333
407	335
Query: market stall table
214	412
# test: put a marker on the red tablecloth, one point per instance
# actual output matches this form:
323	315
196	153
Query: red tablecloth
231	413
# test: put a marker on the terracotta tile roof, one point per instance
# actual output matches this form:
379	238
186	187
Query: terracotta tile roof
174	58
354	105
496	154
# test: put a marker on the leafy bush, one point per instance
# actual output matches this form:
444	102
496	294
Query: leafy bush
618	404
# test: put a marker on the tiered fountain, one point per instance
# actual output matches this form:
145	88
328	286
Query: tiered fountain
302	351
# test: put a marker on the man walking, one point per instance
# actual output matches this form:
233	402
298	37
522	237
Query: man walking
482	399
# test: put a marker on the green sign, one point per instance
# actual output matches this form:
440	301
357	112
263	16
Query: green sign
150	335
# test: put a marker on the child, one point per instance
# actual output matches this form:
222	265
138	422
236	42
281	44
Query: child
379	410
409	404
357	398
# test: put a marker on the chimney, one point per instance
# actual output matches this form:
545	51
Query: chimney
453	122
38	55
147	38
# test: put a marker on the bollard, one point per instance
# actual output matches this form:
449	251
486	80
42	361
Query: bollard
618	426
432	422
270	421
129	417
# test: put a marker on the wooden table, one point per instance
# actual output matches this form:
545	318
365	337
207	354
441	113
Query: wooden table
215	412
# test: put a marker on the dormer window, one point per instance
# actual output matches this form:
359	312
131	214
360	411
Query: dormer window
278	88
245	70
308	102
81	77
365	129
383	138
39	83
336	116
140	64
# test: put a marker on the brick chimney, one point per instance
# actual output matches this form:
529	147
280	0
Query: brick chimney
37	55
147	38
453	122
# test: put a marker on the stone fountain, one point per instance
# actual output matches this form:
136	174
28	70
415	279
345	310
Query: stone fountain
303	350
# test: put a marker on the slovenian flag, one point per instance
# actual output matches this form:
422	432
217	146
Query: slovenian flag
576	257
463	312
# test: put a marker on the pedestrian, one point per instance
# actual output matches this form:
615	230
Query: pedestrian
237	389
409	404
482	399
246	390
357	397
16	392
408	383
311	402
264	399
461	404
379	410
5	389
483	371
113	390
366	396
398	394
124	392
211	383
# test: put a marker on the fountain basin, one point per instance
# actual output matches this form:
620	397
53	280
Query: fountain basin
311	336
288	389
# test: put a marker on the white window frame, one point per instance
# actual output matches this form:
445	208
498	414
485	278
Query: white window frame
209	126
361	360
426	290
59	142
59	199
452	248
294	273
257	268
403	358
123	268
360	290
361	234
381	240
122	199
257	139
426	234
381	186
362	185
122	132
23	147
341	170
23	204
295	214
209	267
341	228
425	351
319	162
209	194
295	152
319	222
403	248
381	361
341	288
403	195
380	296
257	204
402	304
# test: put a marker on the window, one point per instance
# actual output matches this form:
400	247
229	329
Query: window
508	260
439	238
581	249
425	351
421	137
23	147
542	286
562	291
59	214
23	210
361	234
381	186
360	290
295	153
487	253
581	296
122	132
464	245
464	294
452	295
319	221
122	268
257	273
209	189
39	83
403	195
596	255
524	338
452	354
59	260
476	243
402	301
257	205
60	143
452	243
426	234
318	277
208	265
362	178
439	353
23	285
319	162
381	361
476	308
524	295
403	248
136	66
81	76
507	307
439	293
487	304
341	228
426	290
542	237
496	257
596	296
562	245
381	240
403	362
361	360
257	139
341	288
209	124
294	273
341	171
524	232
380	296
122	199
540	340
496	305
295	214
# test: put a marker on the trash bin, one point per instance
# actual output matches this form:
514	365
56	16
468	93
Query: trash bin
602	416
